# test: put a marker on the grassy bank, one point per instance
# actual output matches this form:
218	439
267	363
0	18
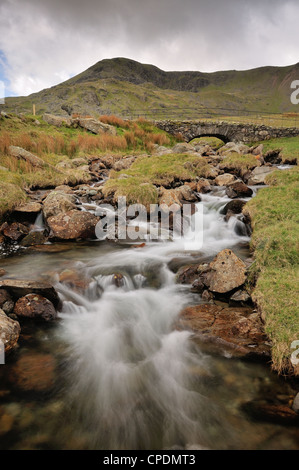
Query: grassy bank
139	183
58	147
289	148
274	273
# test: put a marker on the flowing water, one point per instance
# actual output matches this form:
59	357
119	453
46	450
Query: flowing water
125	377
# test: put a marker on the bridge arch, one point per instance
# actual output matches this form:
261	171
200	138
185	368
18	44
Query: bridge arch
222	137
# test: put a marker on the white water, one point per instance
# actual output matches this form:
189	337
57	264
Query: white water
130	373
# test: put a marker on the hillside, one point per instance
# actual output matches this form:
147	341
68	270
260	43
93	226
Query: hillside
128	88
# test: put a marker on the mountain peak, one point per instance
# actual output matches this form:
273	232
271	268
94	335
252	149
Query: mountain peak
127	87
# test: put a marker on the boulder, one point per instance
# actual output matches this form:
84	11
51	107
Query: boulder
238	189
33	238
19	288
94	126
236	330
204	150
259	174
257	150
58	202
9	331
97	166
124	163
64	188
240	297
192	185
72	225
36	307
203	186
161	150
241	149
79	162
211	172
183	147
64	165
22	154
169	197
225	179
187	274
29	208
15	231
74	279
185	193
226	272
235	206
57	121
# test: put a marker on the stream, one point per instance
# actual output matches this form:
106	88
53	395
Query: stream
124	377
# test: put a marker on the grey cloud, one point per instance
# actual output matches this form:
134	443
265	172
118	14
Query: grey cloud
48	41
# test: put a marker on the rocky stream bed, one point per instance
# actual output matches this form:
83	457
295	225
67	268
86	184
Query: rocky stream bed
114	344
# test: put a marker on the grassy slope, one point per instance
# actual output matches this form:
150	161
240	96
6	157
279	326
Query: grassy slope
275	221
62	145
146	174
289	147
110	85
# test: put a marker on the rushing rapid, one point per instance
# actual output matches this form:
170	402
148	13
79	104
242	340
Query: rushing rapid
116	371
129	367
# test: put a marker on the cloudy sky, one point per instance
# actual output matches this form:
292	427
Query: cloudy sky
44	42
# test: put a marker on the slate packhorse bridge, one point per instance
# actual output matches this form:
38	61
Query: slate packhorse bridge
226	131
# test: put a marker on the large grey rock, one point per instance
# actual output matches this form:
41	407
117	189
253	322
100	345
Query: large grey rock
124	163
57	121
226	272
241	149
95	126
58	202
185	193
203	186
22	154
169	197
223	180
259	174
183	147
29	208
73	225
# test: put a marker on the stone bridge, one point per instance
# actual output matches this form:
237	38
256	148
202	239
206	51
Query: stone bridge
226	131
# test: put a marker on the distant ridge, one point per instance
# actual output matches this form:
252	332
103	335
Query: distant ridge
123	86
